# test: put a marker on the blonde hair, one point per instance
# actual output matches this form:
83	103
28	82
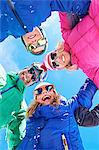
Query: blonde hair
33	106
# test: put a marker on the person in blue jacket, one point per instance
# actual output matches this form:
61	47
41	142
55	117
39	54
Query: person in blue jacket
20	17
51	124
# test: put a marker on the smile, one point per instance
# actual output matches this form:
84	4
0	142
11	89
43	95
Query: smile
63	58
46	98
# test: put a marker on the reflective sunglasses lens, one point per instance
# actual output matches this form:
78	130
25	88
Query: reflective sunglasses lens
33	47
33	78
38	91
30	47
31	71
42	42
49	87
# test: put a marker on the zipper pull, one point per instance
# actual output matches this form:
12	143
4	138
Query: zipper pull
64	142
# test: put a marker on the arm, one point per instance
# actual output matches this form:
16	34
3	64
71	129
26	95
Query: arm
67	23
84	96
94	12
16	129
65	29
87	118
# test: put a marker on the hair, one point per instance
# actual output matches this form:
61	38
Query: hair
33	106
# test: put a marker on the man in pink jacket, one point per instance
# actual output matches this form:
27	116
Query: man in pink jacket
81	44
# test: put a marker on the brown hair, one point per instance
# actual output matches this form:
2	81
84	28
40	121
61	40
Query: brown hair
33	106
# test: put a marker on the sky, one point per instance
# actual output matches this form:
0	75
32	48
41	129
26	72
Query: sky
14	57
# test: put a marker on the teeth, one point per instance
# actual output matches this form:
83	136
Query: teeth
47	97
63	58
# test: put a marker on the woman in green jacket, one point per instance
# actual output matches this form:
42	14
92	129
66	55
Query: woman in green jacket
12	109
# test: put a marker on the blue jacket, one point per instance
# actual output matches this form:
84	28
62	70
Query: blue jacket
34	12
45	128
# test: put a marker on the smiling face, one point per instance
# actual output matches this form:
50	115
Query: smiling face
26	77
35	41
29	75
59	59
45	95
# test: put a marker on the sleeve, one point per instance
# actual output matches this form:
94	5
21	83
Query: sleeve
87	118
79	7
94	12
67	22
16	129
94	8
84	96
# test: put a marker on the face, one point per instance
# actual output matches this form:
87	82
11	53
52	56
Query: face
28	77
35	41
59	59
45	95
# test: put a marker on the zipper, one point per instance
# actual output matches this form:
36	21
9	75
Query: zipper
64	142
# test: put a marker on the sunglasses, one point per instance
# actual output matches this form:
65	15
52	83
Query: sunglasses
53	56
40	90
40	42
34	76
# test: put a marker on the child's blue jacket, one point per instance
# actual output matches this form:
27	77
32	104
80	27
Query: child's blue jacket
45	128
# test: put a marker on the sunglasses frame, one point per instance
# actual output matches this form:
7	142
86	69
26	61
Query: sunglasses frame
30	49
53	60
45	87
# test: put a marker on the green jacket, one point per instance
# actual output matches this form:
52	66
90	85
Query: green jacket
12	115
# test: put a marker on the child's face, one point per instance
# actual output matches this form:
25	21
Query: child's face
35	41
45	95
26	77
59	59
29	76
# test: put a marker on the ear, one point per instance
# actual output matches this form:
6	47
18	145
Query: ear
72	67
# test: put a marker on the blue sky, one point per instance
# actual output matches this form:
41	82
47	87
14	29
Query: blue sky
14	57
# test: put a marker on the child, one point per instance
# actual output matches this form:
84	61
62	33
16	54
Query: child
12	109
51	124
80	48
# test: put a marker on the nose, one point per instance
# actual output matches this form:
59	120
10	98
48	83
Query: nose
28	76
44	91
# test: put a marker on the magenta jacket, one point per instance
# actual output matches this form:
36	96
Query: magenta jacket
83	41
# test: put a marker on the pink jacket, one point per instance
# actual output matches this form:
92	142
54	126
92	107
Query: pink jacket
83	41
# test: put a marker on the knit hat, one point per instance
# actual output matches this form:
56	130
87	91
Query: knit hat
42	84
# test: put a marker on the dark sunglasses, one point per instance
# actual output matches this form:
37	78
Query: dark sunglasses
40	90
55	64
41	42
53	56
32	71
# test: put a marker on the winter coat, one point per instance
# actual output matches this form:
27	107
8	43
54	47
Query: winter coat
83	41
33	13
45	128
87	118
12	115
